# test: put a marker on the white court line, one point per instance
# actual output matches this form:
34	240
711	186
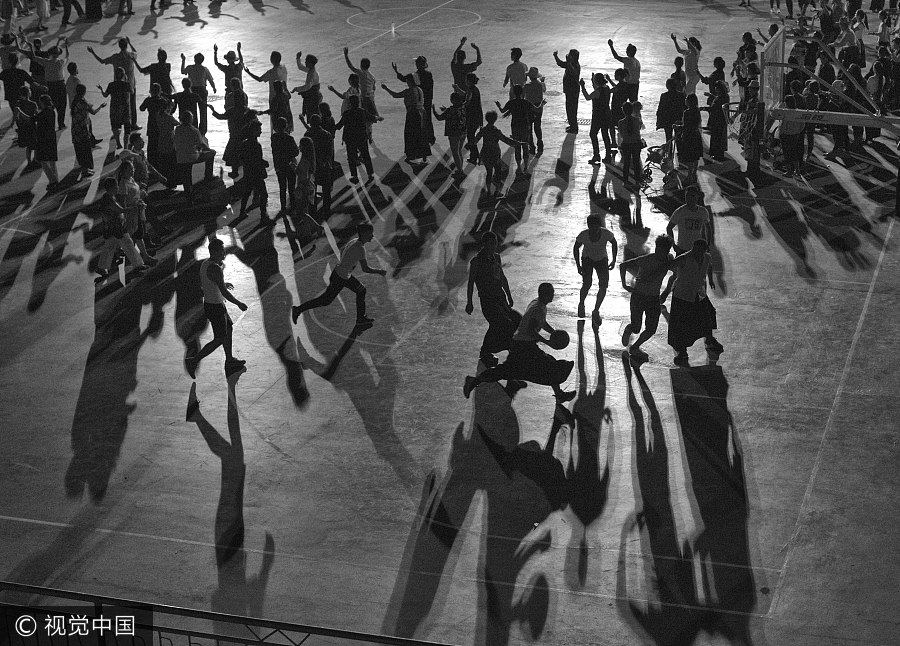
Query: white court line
845	374
396	27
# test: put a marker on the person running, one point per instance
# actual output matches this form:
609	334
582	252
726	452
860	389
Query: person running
692	316
534	92
632	65
601	120
526	360
118	92
199	76
215	292
590	257
53	64
486	273
646	302
692	220
353	254
571	86
516	72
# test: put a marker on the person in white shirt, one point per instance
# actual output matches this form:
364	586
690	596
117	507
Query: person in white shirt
353	254
590	257
632	65
516	72
692	220
277	72
199	76
526	361
691	315
312	95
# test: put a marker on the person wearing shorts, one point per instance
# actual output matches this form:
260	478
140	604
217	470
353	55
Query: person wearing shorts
590	257
649	271
354	253
215	292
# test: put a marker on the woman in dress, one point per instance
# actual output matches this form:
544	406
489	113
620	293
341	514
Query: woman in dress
415	143
689	141
82	134
26	132
45	140
118	93
236	115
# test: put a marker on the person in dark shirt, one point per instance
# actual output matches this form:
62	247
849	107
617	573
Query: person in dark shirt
14	79
354	122
454	119
460	69
425	81
522	112
486	273
284	158
187	100
474	116
160	71
254	165
601	122
571	86
324	145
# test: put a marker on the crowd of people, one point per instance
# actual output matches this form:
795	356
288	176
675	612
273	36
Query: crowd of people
42	87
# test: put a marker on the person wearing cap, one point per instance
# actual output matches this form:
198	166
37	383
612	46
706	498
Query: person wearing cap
425	80
534	93
234	67
516	72
160	72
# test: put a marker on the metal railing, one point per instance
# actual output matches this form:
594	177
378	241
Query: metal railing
192	627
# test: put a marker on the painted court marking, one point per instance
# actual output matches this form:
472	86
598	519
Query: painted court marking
845	374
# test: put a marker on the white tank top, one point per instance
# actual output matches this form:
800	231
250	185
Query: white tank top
211	292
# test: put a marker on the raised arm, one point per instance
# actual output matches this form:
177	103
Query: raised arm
559	61
352	67
396	95
102	91
400	77
677	46
343	95
615	251
240	55
216	59
477	55
613	50
142	70
462	41
584	92
183	67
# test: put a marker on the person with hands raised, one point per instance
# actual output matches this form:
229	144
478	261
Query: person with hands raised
631	65
199	76
366	88
459	68
310	92
124	59
234	67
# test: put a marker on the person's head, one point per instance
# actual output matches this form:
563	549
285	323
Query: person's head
692	195
490	117
598	79
123	43
883	15
109	185
307	150
747	38
472	78
54	52
80	91
72	68
230	56
489	242
545	293
325	110
515	53
352	101
533	73
187	119
573	55
673	85
253	129
814	87
631	50
365	232
119	74
315	120
679	62
663	245
311	60
460	55
275	59
719	63
695	43
186	85
421	63
46	102
365	63
353	80
620	74
155	90
198	59
161	55
216	250
517	91
126	169
878	66
280	124
691	100
38	43
594	223
700	246
627	108
860	14
135	141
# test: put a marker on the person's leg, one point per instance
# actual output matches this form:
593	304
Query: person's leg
668	130
203	94
262	197
636	161
602	284
572	110
626	163
651	312
471	133
634	325
366	158
359	289
282	188
132	106
352	159
67	11
488	175
595	142
335	285
538	132
455	152
587	274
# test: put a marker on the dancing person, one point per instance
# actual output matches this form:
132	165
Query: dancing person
53	65
366	88
526	360
718	122
415	145
310	90
45	150
601	123
352	90
112	226
118	92
689	140
692	315
645	303
82	133
491	136
353	254
691	55
521	111
534	92
516	72
691	219
459	69
123	59
590	256
454	119
233	67
474	116
571	86
670	109
199	76
191	147
356	139
323	141
188	101
160	72
486	273
284	159
632	65
630	143
215	292
278	72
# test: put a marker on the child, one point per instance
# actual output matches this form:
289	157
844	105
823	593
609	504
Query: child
114	235
284	155
679	74
490	149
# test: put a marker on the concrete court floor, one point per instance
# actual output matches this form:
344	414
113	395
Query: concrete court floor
751	501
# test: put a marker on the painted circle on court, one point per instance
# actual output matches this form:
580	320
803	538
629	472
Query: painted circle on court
407	19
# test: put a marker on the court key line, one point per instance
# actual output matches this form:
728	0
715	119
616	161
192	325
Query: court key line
842	383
